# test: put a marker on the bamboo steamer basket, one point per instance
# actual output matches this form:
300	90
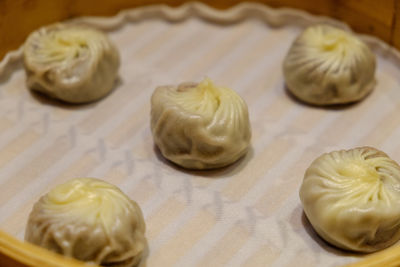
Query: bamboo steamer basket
378	18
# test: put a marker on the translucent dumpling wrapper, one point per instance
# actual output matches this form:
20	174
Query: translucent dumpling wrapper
75	64
352	199
200	126
90	220
326	65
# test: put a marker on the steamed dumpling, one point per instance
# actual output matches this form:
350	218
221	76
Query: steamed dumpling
352	198
74	64
90	220
326	65
200	126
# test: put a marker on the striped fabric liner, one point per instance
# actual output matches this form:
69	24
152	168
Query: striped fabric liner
248	214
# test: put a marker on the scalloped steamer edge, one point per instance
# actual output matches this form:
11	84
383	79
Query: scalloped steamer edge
272	17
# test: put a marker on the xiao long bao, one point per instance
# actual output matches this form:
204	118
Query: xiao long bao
75	64
90	220
327	66
352	198
200	126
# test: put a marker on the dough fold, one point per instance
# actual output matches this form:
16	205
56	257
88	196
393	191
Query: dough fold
352	198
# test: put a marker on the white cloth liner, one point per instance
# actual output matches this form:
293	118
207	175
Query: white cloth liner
248	214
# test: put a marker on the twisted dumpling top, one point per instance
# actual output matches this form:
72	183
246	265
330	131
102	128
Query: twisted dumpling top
326	65
88	200
200	126
72	63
